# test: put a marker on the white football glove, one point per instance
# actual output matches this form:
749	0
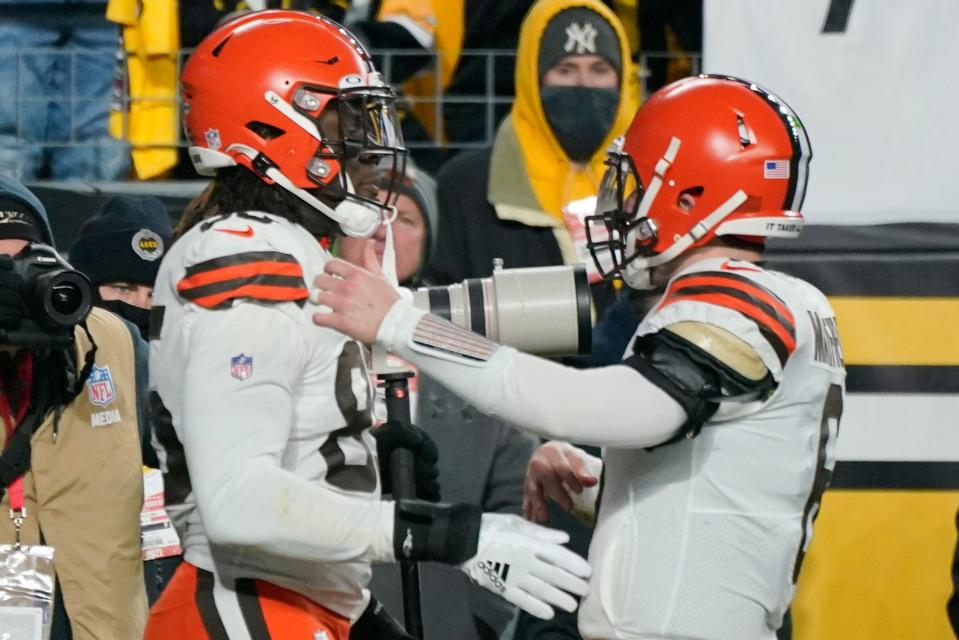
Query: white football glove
525	564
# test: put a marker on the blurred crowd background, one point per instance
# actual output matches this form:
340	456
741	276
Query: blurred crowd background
94	84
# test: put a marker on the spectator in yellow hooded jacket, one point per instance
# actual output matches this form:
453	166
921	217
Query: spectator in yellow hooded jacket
575	92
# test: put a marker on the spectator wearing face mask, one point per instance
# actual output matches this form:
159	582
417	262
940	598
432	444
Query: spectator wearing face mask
120	249
575	92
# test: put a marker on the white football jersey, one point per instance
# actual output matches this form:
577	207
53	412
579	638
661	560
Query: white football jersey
701	539
273	414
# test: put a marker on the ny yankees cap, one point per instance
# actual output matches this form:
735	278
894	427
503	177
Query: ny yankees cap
578	31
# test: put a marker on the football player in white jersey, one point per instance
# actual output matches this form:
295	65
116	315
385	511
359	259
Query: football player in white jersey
266	438
718	427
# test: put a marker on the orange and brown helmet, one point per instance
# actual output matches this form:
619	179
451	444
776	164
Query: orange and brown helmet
740	150
253	92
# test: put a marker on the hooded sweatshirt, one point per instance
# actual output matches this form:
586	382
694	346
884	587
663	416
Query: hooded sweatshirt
23	199
508	202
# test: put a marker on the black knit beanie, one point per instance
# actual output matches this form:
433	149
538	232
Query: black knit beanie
18	221
124	242
578	31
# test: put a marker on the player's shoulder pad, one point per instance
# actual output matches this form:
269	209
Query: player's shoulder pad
728	294
242	256
723	346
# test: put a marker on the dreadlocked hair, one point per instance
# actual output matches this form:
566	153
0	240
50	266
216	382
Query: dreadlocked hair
237	189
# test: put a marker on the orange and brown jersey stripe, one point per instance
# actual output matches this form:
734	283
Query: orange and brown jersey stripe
262	276
771	315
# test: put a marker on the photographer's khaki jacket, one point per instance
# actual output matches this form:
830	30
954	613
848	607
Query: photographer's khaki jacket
84	492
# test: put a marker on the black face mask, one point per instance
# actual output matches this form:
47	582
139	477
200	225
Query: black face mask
580	117
138	316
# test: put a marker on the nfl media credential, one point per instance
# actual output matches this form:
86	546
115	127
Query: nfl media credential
101	392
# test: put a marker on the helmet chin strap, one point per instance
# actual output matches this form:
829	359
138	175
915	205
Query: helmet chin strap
637	273
389	251
659	171
355	219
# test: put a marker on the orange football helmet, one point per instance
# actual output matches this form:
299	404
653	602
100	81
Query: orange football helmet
253	92
740	150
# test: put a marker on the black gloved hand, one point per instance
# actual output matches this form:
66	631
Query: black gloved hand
393	435
376	623
11	295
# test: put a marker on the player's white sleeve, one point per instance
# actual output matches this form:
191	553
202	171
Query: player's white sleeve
235	431
611	406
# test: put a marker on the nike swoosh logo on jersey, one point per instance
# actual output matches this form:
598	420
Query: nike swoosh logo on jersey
243	233
727	265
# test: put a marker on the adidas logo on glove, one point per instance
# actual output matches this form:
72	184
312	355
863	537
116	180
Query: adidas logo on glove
496	572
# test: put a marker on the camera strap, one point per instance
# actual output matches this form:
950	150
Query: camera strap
34	398
27	574
20	420
15	459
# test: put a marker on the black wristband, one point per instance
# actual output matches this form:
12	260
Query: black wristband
437	532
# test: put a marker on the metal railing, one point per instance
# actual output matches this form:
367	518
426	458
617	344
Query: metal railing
22	107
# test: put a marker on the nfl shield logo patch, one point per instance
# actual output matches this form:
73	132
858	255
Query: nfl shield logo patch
100	386
241	367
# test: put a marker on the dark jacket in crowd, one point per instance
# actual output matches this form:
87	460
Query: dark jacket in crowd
198	18
488	24
472	235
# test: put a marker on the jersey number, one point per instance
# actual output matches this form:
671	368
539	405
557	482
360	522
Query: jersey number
350	464
828	431
837	17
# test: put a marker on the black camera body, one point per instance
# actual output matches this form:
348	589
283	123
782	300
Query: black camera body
57	299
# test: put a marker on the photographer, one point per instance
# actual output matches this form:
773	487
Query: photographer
70	442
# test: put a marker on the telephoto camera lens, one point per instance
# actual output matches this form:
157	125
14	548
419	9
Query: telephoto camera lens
57	296
543	310
67	298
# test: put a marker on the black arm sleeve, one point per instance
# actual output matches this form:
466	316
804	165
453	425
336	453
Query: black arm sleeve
440	532
692	377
